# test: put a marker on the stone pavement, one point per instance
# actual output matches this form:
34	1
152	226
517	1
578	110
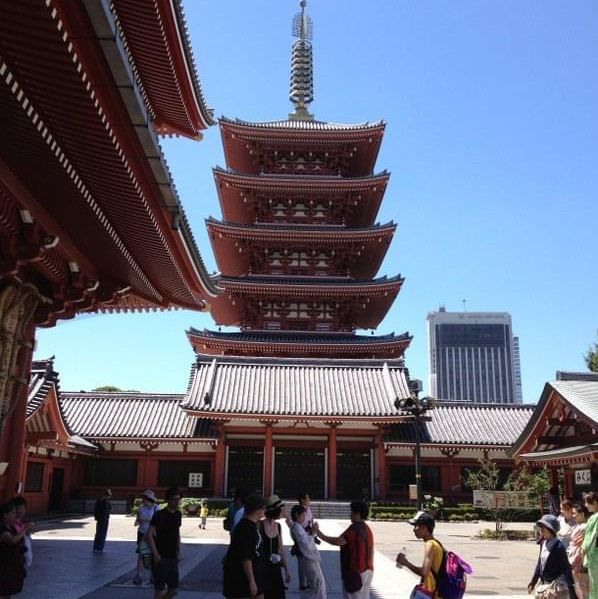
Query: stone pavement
65	568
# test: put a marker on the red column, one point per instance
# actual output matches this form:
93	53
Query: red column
381	467
219	464
268	461
15	425
332	462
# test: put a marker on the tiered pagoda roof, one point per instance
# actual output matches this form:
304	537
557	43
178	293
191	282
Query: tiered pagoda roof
314	345
350	201
298	248
243	249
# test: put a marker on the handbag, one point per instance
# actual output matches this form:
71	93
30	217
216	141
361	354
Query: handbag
419	592
551	590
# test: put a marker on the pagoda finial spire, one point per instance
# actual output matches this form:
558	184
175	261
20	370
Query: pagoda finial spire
302	70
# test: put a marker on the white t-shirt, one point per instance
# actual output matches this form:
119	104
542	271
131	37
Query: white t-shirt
145	515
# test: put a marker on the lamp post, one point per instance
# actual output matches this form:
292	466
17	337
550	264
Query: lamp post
417	409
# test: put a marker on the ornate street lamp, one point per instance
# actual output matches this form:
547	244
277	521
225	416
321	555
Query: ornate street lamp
416	408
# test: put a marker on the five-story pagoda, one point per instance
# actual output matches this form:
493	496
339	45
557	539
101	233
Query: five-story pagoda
299	401
298	247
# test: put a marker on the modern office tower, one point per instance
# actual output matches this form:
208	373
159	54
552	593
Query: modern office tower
473	357
517	371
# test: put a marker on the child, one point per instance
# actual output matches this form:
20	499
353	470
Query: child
203	514
20	526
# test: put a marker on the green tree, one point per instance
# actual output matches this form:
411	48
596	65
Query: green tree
591	356
487	478
536	484
107	389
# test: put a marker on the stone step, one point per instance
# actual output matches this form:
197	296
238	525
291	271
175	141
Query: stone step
85	506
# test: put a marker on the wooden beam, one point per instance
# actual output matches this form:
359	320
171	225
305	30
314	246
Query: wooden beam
562	422
36	437
568	441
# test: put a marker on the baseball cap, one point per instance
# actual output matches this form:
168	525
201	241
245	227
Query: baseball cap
422	518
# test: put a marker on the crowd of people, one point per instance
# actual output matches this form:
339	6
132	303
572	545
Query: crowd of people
256	563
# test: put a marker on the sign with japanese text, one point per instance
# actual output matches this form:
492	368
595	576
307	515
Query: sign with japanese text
583	478
195	479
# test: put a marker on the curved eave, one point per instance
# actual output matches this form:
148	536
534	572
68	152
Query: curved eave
237	193
291	417
155	34
204	344
369	302
233	245
300	233
93	175
537	424
300	128
313	286
366	140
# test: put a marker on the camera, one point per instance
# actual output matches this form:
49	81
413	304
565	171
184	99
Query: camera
275	558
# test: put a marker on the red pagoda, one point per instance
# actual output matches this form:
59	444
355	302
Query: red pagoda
298	248
298	400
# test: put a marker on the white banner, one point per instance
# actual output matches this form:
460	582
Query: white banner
493	500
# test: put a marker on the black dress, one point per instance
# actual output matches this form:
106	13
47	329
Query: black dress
273	583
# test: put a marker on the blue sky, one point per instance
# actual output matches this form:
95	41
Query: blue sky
491	140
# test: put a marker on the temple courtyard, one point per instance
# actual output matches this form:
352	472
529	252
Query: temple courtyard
64	566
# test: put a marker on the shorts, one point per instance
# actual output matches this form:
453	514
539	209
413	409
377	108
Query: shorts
166	574
140	537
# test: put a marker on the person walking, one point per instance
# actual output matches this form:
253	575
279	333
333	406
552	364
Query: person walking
203	514
164	540
275	558
423	528
244	560
147	510
553	570
305	500
589	545
566	522
575	553
307	555
101	513
357	552
235	507
12	563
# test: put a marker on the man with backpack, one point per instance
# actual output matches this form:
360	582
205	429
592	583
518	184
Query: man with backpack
423	528
443	573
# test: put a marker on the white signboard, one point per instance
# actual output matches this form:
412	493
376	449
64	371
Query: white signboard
583	478
195	479
502	499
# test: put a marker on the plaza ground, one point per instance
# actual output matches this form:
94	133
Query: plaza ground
65	567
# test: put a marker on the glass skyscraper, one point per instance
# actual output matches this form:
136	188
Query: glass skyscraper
473	357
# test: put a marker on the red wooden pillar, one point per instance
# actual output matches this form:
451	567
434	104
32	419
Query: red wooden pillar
268	460
219	464
381	459
332	461
14	429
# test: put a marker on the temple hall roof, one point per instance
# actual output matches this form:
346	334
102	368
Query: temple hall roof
466	424
130	415
43	377
344	389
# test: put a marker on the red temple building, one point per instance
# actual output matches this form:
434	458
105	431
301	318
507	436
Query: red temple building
90	220
295	400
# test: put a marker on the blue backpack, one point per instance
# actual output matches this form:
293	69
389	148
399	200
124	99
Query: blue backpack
451	579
